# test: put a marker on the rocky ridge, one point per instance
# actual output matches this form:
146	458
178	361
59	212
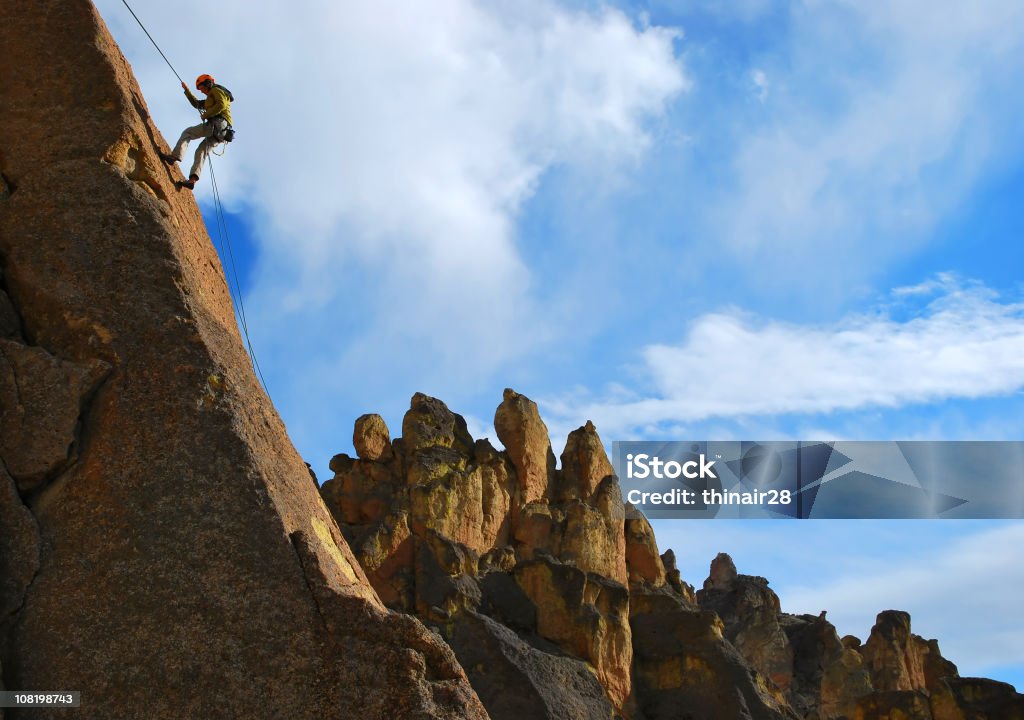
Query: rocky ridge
556	601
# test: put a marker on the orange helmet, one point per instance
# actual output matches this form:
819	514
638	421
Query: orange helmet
204	78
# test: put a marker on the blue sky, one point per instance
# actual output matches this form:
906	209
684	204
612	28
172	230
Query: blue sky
682	220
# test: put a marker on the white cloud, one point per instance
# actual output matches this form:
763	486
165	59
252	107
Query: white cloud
407	135
964	344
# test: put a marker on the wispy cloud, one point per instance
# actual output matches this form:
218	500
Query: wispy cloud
759	79
881	121
965	343
971	578
407	137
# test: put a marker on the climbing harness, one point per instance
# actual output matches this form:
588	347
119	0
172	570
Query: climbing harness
235	287
227	133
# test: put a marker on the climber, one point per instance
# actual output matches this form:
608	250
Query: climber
215	128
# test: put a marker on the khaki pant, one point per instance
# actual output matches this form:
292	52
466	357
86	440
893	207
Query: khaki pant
210	131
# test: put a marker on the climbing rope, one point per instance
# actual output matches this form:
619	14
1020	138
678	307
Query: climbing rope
234	288
222	227
152	40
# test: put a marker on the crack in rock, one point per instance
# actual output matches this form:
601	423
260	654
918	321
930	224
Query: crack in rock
41	403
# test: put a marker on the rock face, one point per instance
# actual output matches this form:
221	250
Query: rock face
684	661
558	604
895	674
519	427
900	660
751	612
162	548
462	535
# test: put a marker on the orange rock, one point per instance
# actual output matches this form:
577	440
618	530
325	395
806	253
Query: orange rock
525	437
642	557
682	660
586	615
901	704
41	401
751	613
361	491
980	698
893	655
584	464
594	537
371	438
829	675
386	550
429	423
537	529
554	570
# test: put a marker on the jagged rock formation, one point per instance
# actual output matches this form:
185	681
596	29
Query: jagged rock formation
558	604
441	527
895	674
548	571
162	548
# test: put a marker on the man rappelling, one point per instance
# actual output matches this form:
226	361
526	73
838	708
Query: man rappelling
216	128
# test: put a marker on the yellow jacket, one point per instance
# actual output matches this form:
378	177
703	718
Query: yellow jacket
217	102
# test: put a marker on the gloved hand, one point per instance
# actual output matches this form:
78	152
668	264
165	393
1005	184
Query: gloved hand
183	85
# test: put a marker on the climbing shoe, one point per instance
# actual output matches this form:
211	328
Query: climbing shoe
168	158
190	183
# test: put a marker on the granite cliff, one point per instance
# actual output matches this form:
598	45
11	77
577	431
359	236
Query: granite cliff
163	549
